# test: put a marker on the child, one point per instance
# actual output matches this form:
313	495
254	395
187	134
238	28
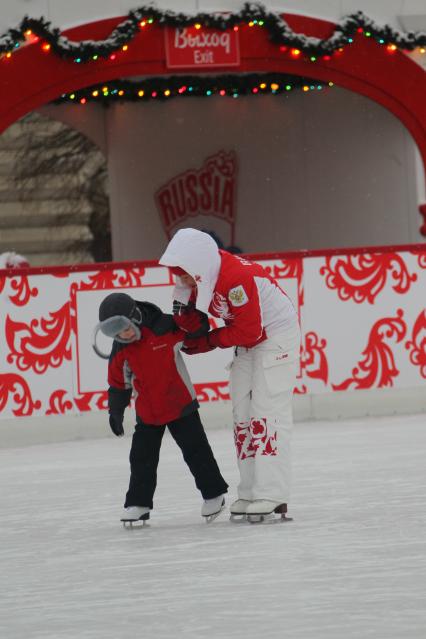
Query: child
146	358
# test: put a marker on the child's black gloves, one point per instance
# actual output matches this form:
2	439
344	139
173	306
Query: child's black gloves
116	423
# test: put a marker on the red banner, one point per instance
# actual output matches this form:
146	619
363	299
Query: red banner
201	48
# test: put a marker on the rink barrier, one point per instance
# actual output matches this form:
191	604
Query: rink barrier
361	310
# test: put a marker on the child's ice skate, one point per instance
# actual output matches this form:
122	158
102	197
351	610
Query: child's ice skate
212	508
265	511
135	514
238	510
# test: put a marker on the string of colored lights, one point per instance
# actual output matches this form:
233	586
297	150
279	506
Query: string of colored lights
165	88
39	30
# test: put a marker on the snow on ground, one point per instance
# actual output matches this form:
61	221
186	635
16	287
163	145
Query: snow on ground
351	565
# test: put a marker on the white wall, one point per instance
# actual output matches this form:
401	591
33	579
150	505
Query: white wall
317	170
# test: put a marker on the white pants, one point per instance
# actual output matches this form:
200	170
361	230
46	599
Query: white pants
261	385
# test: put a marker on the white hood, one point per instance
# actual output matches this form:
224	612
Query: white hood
198	254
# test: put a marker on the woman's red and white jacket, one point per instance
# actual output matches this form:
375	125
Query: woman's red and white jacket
250	302
228	286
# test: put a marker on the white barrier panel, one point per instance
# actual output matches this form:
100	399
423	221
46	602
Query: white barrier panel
362	314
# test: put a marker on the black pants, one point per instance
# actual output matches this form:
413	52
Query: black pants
188	433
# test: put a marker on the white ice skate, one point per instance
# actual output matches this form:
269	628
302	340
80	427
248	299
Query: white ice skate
212	508
135	514
265	511
238	510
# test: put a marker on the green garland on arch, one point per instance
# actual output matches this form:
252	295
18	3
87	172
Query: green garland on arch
165	88
255	15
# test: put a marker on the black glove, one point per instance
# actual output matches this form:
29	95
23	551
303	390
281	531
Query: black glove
116	423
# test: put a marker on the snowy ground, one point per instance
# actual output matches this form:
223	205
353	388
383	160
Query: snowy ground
351	565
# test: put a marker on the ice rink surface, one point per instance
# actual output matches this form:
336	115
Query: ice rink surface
351	565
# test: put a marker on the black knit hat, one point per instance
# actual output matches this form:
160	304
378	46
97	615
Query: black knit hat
117	312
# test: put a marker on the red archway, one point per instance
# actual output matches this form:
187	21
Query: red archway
32	77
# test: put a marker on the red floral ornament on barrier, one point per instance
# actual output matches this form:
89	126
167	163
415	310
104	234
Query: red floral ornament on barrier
10	383
313	358
87	401
40	345
23	290
377	368
211	392
417	344
111	279
362	277
421	257
21	287
59	404
289	268
302	390
106	279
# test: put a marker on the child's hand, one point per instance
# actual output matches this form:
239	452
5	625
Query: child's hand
116	423
189	322
190	319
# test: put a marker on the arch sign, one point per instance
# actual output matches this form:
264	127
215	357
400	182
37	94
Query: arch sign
191	48
38	63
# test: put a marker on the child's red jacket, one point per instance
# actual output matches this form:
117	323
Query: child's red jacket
153	366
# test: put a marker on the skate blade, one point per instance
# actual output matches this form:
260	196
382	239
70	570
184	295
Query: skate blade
135	523
130	524
238	518
210	518
270	518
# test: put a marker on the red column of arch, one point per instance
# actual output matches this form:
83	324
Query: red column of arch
32	77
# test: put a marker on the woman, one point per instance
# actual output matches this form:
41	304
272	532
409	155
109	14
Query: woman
261	323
